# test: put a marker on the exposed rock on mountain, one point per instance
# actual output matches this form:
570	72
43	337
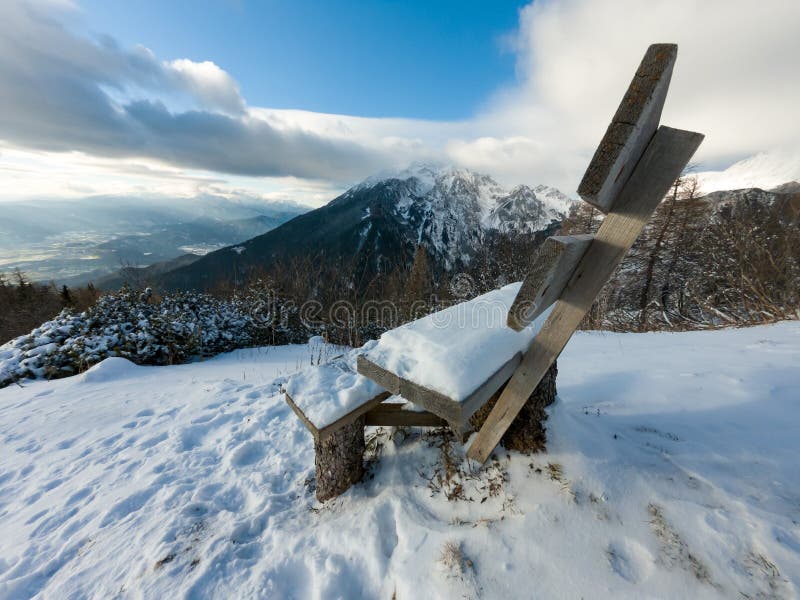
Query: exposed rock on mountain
380	222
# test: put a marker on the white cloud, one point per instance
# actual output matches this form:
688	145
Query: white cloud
736	79
64	92
71	175
206	81
67	96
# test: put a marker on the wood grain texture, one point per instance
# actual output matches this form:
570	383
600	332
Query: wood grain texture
662	162
328	430
456	413
631	129
339	460
386	379
397	415
552	267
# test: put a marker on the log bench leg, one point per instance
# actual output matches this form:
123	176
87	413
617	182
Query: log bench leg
339	460
527	432
339	456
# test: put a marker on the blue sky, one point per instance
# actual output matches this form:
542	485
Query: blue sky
298	100
421	59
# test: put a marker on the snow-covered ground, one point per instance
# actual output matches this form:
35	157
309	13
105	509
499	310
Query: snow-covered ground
673	472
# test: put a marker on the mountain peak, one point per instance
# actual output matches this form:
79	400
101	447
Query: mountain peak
443	183
379	223
426	175
450	210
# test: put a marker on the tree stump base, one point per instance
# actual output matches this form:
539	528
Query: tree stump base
527	433
339	460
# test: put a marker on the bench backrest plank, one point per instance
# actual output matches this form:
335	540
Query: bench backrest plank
663	160
630	130
552	267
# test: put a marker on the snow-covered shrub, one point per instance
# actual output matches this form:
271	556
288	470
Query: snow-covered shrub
275	320
131	324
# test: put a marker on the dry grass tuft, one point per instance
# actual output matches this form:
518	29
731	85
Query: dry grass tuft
454	560
448	476
453	477
374	443
556	473
674	550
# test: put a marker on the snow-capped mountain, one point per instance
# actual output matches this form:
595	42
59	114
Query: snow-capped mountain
381	220
528	208
450	210
764	170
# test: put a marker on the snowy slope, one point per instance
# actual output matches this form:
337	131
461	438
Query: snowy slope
672	473
765	170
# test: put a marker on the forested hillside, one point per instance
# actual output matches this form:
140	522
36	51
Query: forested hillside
726	258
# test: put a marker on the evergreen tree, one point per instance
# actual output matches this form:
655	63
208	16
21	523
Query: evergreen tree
66	297
420	280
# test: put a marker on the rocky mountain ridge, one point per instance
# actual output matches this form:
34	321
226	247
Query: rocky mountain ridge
380	222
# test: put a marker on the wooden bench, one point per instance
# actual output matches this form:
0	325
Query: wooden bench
453	361
501	347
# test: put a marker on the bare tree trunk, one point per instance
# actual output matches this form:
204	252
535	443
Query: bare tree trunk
680	246
654	254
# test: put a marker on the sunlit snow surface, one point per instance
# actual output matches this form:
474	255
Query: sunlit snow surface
457	349
679	478
328	392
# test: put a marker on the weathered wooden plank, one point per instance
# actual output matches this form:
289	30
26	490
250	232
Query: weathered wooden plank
631	129
301	415
325	432
395	414
481	396
386	379
553	265
456	413
662	162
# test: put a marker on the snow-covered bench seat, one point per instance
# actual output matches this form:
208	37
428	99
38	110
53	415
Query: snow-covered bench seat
329	396
331	400
453	361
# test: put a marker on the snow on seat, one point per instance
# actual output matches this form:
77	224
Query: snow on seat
331	395
451	362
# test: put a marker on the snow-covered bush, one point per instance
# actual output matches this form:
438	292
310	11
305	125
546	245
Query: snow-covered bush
134	325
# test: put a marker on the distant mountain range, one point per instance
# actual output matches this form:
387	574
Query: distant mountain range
377	224
451	212
76	241
380	222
